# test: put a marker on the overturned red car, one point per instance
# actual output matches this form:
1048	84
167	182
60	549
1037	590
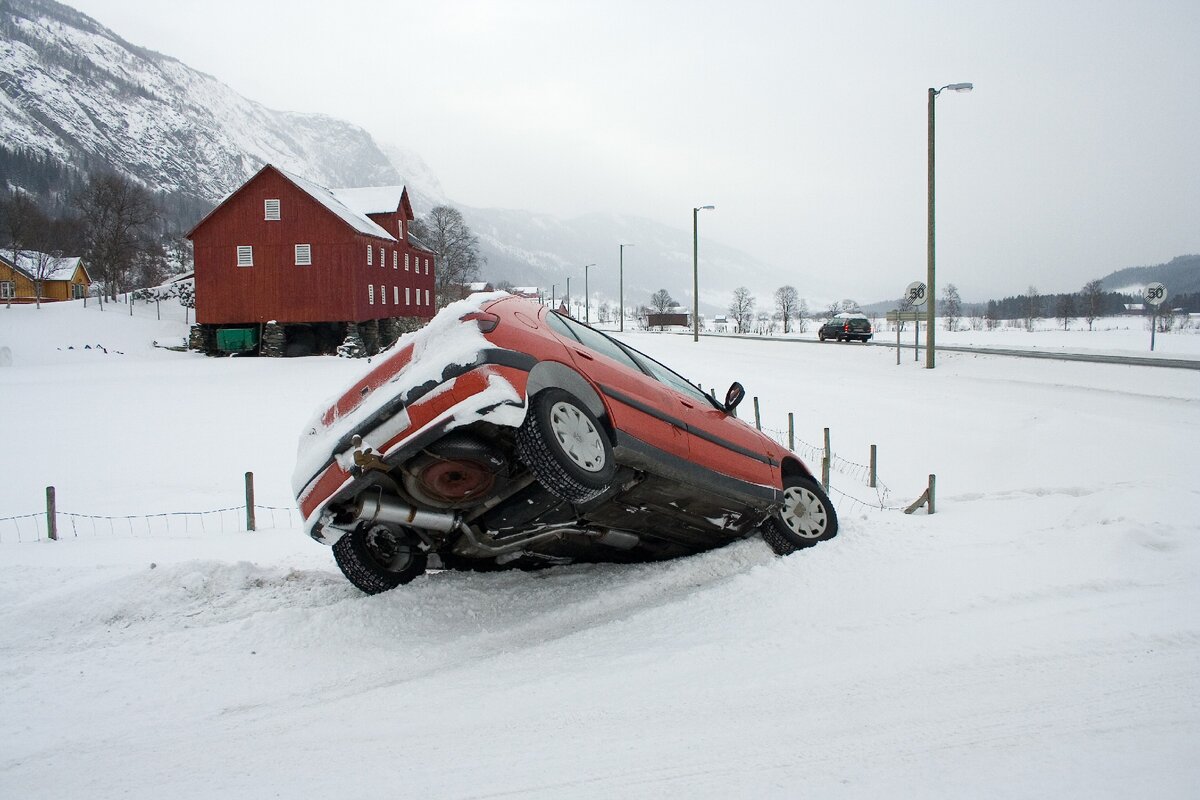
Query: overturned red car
504	434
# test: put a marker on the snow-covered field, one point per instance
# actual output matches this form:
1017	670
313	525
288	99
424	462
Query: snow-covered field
1039	636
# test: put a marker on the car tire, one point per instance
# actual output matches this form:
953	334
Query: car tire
377	559
821	336
805	518
565	447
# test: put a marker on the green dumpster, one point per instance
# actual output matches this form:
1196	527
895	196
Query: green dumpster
237	340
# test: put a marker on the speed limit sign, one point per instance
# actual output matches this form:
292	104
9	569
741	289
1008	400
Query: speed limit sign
914	293
1155	294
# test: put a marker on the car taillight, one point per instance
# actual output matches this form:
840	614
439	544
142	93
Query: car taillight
486	321
846	328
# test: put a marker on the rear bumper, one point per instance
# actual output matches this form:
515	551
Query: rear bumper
493	389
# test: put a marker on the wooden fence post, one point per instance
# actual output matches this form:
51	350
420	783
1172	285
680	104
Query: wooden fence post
791	431
825	473
51	514
872	483
249	501
757	417
828	454
932	491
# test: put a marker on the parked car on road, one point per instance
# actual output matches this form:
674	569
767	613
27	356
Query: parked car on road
505	434
846	327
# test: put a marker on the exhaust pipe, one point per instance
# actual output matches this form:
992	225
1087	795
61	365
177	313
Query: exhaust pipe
377	508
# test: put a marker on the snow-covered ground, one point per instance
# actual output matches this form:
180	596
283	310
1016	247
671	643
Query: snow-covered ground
1039	636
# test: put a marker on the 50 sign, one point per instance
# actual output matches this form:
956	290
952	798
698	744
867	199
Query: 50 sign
914	293
1155	294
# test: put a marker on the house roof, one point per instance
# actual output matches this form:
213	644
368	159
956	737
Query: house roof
63	270
371	199
356	219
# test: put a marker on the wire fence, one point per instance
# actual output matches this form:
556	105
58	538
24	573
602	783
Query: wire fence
37	527
68	525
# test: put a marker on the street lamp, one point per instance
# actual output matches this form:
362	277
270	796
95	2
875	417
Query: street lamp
696	272
622	285
931	311
586	312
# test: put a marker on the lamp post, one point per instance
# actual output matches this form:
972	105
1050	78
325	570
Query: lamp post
586	300
567	298
621	292
696	271
931	312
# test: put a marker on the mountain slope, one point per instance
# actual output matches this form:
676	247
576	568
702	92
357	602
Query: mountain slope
1181	275
73	91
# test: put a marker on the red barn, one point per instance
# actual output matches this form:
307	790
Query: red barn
318	263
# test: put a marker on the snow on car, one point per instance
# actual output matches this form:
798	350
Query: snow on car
504	434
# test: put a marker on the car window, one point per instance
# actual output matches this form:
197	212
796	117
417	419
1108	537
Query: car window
594	339
668	376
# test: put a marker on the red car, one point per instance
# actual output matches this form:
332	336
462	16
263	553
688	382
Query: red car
504	434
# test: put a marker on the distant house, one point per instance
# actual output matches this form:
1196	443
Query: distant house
528	292
64	278
314	261
476	287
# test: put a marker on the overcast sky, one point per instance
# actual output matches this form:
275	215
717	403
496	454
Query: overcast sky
804	123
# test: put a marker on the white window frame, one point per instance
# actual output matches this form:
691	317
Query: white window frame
407	296
271	210
427	298
395	259
427	266
395	295
406	256
382	258
382	294
370	255
8	290
370	294
304	255
418	296
245	255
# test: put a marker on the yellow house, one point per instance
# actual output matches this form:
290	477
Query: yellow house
63	278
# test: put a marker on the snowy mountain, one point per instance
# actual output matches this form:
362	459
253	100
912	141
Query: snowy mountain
74	92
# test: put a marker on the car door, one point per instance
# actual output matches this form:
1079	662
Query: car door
636	401
718	441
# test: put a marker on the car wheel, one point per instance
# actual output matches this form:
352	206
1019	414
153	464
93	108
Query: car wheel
565	447
376	558
805	518
821	336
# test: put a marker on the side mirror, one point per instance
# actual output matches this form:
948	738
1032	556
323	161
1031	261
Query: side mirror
733	397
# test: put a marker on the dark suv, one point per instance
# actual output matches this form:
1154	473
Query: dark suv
846	327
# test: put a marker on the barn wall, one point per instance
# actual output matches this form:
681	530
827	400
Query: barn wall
333	288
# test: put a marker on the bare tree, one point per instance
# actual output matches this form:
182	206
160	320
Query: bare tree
1033	307
41	266
787	302
742	309
661	301
1092	296
849	305
455	249
117	215
951	306
1064	310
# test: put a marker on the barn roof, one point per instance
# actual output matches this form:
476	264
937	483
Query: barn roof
371	199
356	219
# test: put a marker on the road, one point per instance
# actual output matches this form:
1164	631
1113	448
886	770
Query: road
1096	358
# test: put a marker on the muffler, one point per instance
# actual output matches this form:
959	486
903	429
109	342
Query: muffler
377	508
